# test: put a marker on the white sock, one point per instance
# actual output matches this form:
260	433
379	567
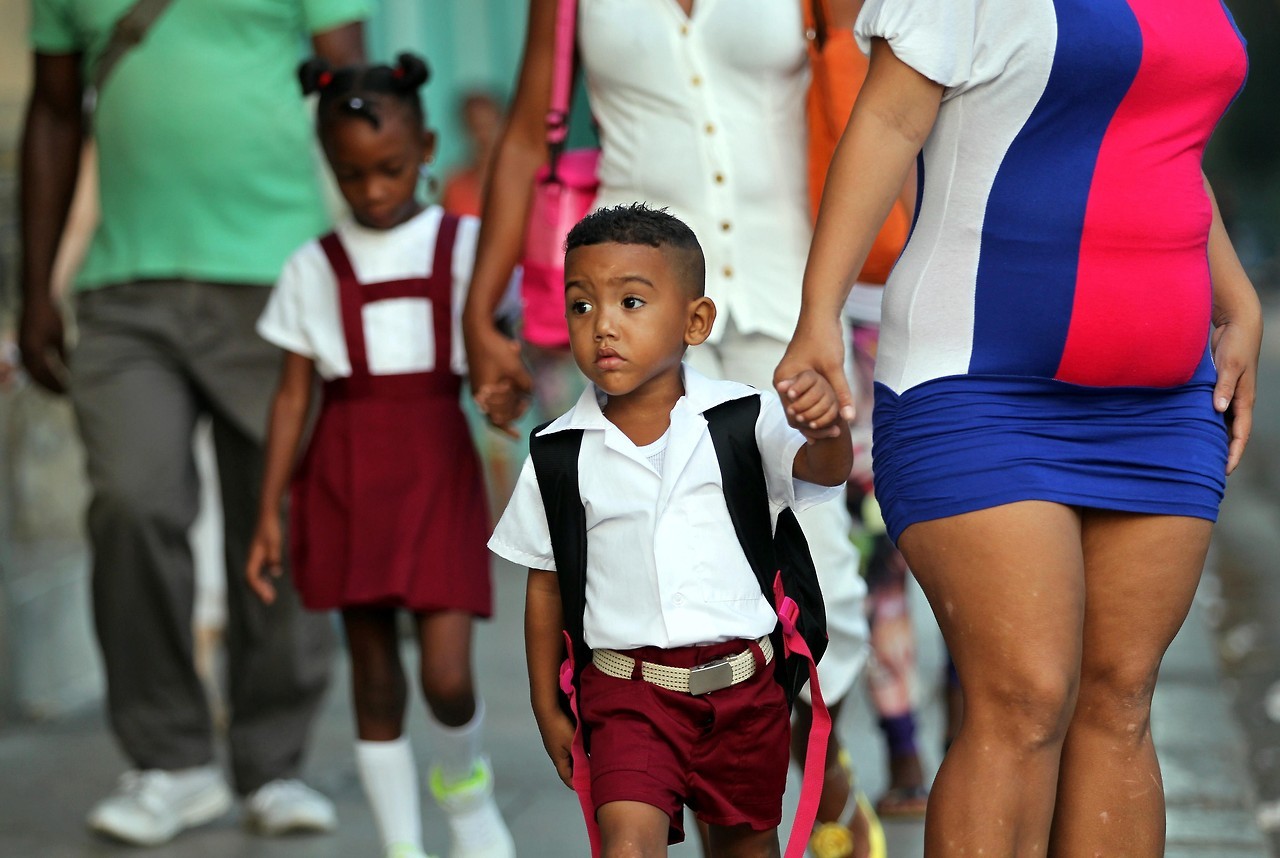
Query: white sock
390	779
456	749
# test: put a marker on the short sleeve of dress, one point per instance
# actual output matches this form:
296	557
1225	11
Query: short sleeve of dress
522	535
934	37
282	323
53	28
779	443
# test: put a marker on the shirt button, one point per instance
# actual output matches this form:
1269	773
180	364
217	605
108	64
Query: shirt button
709	128
684	29
725	226
719	177
728	271
677	599
695	80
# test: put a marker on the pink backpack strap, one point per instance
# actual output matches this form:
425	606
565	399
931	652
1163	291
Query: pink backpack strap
581	763
562	73
815	760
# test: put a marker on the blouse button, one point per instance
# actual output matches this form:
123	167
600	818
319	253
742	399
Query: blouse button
695	80
719	177
728	271
709	128
684	29
725	226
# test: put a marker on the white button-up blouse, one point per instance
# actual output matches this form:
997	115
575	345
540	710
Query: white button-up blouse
704	115
664	566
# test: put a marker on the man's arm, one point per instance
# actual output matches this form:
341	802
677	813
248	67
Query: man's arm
52	137
341	46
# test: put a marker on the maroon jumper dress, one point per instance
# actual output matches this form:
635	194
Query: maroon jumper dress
388	504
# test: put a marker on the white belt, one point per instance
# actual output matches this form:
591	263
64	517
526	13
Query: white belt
702	679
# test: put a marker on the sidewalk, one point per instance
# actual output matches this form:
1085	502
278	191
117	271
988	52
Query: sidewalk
52	773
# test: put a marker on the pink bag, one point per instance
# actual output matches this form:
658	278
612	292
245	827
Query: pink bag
563	194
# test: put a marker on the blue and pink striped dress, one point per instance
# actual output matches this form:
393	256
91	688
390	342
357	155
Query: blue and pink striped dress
1045	334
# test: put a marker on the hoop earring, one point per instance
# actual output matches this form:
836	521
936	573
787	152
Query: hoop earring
427	179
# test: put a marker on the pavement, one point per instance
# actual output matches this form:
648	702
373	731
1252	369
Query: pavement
1216	732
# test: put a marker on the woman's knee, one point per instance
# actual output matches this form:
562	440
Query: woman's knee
1030	711
1115	696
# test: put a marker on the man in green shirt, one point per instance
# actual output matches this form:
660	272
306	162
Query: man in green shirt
207	183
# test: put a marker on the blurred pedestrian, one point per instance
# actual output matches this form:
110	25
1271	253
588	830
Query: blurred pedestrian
206	183
700	107
1066	374
387	507
463	192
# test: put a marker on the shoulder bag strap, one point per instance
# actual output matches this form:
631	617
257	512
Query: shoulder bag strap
561	79
127	34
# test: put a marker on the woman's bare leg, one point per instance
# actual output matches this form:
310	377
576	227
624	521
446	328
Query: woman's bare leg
1007	586
1141	573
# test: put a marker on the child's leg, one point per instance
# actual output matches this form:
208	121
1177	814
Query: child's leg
461	778
384	758
633	829
739	841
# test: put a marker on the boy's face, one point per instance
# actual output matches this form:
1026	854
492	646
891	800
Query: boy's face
630	316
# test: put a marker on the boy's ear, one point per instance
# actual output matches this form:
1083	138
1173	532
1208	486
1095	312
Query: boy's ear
702	318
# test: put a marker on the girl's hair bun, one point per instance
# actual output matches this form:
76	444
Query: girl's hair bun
314	75
411	71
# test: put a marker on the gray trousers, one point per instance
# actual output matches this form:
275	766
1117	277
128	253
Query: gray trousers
152	358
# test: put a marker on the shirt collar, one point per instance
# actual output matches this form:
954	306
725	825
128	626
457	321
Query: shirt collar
700	395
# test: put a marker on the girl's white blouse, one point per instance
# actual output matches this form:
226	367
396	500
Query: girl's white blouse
304	315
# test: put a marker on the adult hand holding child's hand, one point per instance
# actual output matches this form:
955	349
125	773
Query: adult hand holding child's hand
816	348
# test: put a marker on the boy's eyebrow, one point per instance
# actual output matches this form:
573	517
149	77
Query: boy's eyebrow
634	278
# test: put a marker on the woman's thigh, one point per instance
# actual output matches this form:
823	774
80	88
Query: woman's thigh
1007	586
1141	574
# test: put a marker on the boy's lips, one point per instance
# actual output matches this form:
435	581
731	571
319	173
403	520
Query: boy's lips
608	359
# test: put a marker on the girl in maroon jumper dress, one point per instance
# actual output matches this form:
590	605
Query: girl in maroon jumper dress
387	505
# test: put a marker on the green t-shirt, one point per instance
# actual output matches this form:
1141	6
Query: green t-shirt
206	162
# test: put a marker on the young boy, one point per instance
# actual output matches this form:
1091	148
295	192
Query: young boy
667	582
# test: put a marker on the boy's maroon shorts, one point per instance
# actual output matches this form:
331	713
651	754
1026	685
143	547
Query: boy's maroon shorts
723	754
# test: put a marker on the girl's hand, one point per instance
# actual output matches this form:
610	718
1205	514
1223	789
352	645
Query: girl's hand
811	405
264	560
816	348
557	737
1235	353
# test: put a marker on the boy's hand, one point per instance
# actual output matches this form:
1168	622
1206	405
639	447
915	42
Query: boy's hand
811	403
557	737
264	560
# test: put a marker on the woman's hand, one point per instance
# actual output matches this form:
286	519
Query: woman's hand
264	560
500	383
1235	353
818	348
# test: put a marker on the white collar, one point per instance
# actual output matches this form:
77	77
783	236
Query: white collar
700	395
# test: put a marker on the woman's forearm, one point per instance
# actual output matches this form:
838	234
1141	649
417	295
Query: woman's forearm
892	118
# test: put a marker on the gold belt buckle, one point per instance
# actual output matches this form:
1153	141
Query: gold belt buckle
711	676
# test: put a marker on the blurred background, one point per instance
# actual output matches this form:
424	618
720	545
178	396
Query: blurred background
49	671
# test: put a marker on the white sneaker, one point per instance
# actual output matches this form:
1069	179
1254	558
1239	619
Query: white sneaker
475	825
288	807
151	807
405	850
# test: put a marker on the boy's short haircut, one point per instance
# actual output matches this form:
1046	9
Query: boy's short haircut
639	224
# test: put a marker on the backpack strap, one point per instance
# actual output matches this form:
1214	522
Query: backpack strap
732	426
555	463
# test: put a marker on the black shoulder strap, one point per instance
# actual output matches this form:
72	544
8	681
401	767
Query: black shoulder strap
733	432
555	463
769	551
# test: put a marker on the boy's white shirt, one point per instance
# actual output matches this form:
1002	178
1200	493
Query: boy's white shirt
664	566
304	314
